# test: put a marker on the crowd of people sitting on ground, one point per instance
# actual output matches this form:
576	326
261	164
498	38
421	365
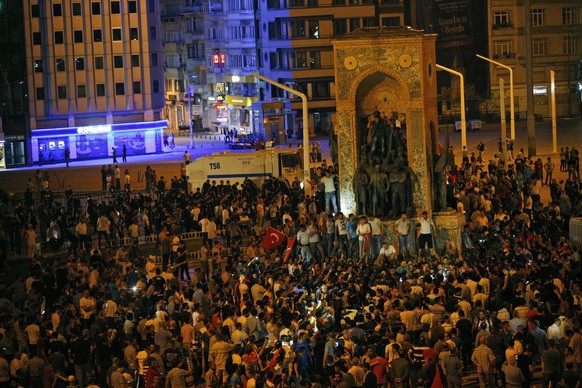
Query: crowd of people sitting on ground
351	301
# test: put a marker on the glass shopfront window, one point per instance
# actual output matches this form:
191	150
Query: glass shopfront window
53	149
134	143
91	146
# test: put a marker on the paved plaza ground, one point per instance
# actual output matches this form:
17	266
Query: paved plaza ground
85	176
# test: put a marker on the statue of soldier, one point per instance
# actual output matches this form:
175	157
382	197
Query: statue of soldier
376	191
398	185
333	145
440	177
361	183
377	129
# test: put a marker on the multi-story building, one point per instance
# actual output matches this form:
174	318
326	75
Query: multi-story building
556	35
296	47
184	61
231	54
13	95
95	78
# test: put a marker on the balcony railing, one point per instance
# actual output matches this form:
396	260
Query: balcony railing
501	26
504	56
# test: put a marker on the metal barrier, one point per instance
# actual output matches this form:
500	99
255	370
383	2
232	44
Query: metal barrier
186	236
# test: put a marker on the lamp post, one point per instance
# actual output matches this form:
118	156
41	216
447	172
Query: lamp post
512	105
190	92
306	170
503	119
463	120
553	104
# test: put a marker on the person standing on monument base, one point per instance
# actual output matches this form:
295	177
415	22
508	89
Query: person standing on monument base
425	233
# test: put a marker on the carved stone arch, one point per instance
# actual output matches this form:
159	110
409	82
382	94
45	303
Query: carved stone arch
373	70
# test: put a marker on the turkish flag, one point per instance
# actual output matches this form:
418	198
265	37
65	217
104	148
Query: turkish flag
290	243
273	238
251	357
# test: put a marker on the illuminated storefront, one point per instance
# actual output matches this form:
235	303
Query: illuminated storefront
97	141
2	153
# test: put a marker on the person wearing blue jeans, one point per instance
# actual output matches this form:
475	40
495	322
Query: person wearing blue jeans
376	238
329	189
402	226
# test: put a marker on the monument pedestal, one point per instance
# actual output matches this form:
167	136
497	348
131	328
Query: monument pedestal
449	227
391	70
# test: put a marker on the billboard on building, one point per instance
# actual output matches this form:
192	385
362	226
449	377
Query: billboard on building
453	23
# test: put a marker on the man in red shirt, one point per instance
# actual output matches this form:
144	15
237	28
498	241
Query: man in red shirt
379	367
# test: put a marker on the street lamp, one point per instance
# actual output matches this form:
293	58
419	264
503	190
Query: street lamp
512	105
503	119
553	103
190	92
306	170
463	121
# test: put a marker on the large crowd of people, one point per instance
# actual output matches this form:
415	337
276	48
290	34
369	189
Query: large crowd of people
341	305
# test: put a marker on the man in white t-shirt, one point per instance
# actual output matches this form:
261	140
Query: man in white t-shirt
204	229
364	231
329	188
403	226
387	252
211	228
425	233
377	232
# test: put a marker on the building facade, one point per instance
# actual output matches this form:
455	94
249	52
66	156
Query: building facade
95	78
184	62
295	48
556	36
13	86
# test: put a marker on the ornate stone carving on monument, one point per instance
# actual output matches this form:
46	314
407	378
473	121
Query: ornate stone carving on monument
386	101
387	120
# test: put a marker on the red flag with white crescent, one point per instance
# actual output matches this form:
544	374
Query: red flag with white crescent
290	243
251	357
273	238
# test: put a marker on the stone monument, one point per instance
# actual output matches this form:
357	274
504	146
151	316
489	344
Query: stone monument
387	123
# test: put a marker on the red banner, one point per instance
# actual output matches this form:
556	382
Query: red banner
273	238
